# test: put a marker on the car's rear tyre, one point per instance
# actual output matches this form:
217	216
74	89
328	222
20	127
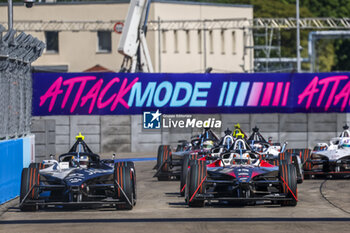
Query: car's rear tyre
124	175
29	178
163	161
132	166
37	165
183	176
295	158
159	153
195	183
284	157
184	170
300	178
305	157
288	179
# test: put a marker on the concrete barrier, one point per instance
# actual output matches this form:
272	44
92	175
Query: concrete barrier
45	138
120	134
14	155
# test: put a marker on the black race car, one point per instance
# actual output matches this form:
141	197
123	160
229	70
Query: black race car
240	176
78	178
169	162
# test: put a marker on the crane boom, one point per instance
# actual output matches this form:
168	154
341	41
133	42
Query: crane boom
133	43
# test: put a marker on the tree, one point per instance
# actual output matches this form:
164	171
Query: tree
332	54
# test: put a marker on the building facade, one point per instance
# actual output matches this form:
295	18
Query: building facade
80	35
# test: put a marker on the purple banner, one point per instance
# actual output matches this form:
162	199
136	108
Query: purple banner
119	93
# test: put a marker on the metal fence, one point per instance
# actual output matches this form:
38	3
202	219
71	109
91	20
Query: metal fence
17	52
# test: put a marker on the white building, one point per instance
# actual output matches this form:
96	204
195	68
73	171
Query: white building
79	35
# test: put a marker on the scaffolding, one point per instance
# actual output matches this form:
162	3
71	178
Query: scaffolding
210	24
262	36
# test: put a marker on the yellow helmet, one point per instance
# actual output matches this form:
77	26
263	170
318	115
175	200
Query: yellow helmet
80	136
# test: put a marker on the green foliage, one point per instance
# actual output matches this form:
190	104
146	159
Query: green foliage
342	52
332	54
325	56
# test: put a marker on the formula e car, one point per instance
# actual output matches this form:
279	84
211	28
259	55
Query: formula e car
241	176
259	144
78	178
256	143
169	162
223	146
271	151
330	160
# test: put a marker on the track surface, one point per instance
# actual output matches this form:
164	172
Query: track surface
160	209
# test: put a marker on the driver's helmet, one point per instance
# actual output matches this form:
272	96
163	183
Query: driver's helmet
257	147
208	144
237	132
83	160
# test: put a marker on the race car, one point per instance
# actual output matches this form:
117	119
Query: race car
331	160
240	176
169	162
271	151
223	146
259	143
78	178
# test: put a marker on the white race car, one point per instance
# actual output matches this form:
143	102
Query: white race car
332	159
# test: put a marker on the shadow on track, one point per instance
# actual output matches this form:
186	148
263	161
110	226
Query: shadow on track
164	220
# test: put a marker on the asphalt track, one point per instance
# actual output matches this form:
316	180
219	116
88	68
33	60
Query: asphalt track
160	209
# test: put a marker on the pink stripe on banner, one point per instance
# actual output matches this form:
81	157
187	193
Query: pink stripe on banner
285	95
268	93
255	94
276	99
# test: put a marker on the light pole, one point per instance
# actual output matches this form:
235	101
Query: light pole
10	14
298	39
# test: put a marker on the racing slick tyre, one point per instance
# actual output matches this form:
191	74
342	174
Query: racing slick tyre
183	175
37	165
184	170
297	161
132	165
288	179
305	157
284	157
125	184
29	178
159	152
195	184
163	160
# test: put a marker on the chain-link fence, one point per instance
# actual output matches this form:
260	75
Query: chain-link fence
17	52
